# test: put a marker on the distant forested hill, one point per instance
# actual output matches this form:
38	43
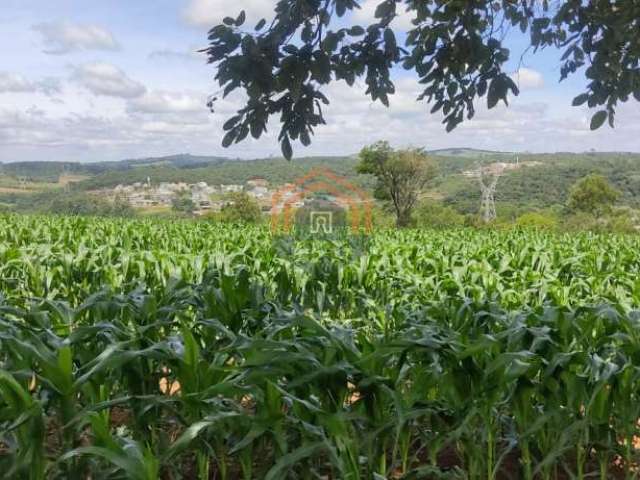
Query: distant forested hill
51	171
544	185
547	184
276	171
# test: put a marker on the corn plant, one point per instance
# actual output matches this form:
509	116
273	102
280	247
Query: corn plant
177	350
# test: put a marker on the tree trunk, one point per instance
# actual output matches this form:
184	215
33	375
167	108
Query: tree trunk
403	219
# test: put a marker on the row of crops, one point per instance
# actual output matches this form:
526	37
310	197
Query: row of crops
180	350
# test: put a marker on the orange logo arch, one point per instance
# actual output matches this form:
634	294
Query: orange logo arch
321	180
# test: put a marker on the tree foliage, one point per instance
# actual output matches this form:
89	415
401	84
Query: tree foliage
183	203
537	220
241	208
434	214
593	194
456	48
89	205
401	176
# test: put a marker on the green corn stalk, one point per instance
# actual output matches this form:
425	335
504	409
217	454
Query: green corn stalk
28	426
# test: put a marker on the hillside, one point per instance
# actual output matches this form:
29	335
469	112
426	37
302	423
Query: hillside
223	171
544	182
46	171
547	184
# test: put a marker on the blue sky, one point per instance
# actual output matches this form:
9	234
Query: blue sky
89	80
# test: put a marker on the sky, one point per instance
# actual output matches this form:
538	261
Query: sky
95	80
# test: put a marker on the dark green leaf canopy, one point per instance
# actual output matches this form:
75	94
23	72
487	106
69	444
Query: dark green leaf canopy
456	47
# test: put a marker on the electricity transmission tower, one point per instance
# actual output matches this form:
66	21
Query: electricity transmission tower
488	180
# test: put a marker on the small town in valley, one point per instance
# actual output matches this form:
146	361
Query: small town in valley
205	198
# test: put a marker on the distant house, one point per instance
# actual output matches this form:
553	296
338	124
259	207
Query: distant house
259	193
258	188
201	200
231	188
140	195
217	205
258	183
139	200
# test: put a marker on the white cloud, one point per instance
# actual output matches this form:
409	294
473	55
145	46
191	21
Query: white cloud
36	128
37	135
62	37
207	13
366	15
49	86
108	80
175	108
14	82
167	122
157	122
353	121
528	78
160	102
17	83
182	55
156	127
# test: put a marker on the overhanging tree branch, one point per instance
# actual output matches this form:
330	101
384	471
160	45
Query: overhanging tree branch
456	48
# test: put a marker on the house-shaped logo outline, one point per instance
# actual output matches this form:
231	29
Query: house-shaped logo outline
321	179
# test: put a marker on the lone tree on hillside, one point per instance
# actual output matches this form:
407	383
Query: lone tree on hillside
593	194
241	208
455	47
183	203
401	176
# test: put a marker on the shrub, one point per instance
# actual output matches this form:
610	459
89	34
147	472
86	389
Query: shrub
617	221
85	204
622	220
240	208
593	194
580	221
183	203
382	218
436	215
537	220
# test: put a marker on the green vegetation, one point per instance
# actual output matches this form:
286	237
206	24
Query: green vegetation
537	220
145	350
183	204
282	65
432	214
84	204
401	176
47	171
61	201
240	208
593	194
276	170
543	183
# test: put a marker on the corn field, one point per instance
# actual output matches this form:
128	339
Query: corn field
180	350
